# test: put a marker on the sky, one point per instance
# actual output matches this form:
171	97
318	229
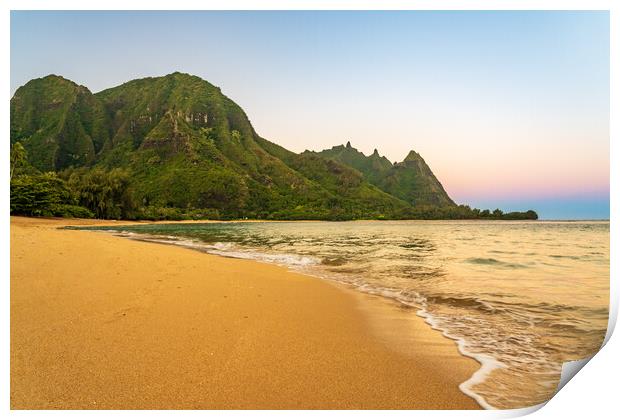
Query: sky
510	109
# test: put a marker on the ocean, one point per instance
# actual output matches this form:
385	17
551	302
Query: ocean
519	297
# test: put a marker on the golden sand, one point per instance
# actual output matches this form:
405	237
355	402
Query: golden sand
99	321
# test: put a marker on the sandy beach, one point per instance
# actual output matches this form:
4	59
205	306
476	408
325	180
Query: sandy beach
102	322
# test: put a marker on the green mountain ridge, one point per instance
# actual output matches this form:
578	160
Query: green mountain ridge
186	146
410	180
60	123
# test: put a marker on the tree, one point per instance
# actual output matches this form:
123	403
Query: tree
107	194
38	195
18	158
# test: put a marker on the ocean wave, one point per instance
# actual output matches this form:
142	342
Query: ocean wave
334	261
287	260
493	261
570	257
227	249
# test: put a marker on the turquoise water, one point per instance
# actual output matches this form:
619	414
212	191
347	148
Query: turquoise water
520	297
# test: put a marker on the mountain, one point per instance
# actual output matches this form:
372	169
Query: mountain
176	146
60	123
186	145
410	180
374	167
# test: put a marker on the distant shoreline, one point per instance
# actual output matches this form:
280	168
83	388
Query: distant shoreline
143	221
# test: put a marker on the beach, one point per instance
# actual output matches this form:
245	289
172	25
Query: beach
103	322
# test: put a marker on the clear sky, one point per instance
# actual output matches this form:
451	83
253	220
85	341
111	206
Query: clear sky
509	109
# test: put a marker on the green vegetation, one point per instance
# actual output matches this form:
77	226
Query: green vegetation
463	212
411	180
175	147
59	123
44	195
18	158
106	194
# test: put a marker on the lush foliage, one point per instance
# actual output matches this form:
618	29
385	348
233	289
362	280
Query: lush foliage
19	158
58	122
44	195
465	212
175	147
106	194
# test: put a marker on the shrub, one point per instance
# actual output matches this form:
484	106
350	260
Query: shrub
70	210
38	195
106	194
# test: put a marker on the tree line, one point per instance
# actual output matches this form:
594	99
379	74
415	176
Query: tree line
72	193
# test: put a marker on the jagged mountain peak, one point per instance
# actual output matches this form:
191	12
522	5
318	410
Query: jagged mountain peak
411	180
412	155
53	78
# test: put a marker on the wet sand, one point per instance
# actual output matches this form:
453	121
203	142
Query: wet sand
102	322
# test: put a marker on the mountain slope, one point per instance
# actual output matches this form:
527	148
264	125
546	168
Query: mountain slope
411	180
339	179
373	167
59	123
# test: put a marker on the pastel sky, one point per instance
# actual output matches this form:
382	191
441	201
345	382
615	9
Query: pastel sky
509	109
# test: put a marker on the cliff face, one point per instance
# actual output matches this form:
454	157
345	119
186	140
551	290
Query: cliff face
410	180
413	181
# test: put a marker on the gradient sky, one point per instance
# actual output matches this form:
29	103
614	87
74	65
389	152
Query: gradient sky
509	109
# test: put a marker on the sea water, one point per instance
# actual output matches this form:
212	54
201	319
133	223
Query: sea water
520	297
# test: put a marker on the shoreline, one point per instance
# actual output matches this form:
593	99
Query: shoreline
120	222
101	322
487	363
